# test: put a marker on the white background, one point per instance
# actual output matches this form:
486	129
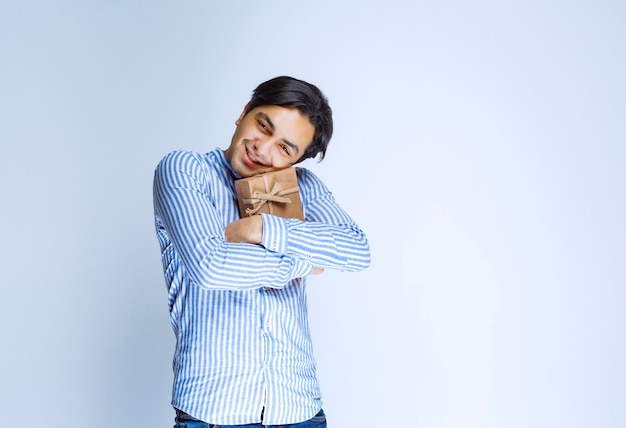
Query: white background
480	145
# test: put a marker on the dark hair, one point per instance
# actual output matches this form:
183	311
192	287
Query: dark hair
287	91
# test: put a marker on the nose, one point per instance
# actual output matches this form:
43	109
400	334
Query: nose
261	149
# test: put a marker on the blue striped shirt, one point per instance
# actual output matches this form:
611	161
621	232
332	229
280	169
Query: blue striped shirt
238	310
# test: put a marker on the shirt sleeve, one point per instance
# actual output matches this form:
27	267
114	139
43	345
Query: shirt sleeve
196	231
327	238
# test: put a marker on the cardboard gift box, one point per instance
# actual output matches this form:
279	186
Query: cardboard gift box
273	193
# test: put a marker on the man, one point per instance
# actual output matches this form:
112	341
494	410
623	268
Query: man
236	285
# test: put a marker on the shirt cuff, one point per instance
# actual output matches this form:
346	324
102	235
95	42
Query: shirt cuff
275	233
301	269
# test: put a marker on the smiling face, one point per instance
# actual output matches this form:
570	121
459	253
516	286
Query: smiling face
268	138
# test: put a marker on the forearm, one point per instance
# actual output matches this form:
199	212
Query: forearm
243	266
212	262
333	246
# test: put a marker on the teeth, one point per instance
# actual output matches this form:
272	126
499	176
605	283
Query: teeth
252	157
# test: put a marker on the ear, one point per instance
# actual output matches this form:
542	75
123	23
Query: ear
242	115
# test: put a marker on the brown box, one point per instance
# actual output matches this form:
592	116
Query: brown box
273	193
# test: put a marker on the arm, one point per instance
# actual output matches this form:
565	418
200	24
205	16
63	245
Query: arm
196	231
250	230
328	238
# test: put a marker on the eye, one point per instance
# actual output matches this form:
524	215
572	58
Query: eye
285	149
262	125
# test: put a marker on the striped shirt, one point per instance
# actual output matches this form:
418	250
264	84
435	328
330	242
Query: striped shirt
238	311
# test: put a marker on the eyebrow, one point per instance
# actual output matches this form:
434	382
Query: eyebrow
266	118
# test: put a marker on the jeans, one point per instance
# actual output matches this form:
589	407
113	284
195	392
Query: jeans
183	420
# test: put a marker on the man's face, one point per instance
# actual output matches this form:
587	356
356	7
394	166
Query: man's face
268	138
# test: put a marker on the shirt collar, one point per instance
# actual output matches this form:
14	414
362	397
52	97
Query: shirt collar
223	162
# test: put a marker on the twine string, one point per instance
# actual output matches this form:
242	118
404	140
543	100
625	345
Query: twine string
275	195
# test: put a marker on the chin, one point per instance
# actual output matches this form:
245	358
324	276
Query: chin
245	171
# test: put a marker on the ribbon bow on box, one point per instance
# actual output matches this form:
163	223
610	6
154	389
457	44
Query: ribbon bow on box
275	195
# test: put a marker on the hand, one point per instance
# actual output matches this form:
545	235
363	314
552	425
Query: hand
317	271
248	230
